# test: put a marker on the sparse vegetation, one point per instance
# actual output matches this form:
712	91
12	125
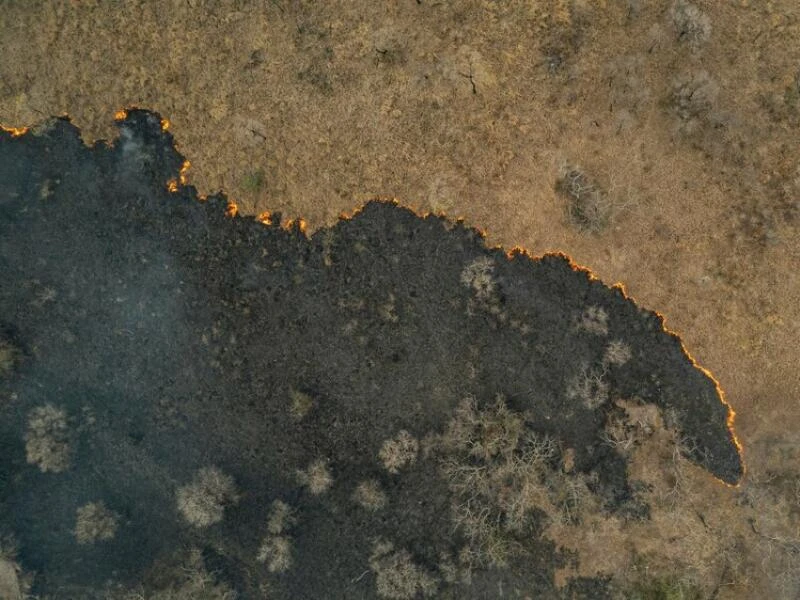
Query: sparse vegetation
47	441
630	424
399	451
456	570
202	502
95	523
316	478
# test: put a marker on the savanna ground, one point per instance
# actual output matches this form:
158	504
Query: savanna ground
683	118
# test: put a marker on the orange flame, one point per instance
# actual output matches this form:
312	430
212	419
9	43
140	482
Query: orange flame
120	115
232	210
164	124
174	183
15	131
184	168
265	218
300	224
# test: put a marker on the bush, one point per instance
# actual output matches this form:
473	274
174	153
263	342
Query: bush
397	576
589	386
9	357
693	99
94	523
317	477
276	547
202	502
399	452
47	439
617	353
369	495
276	551
14	582
300	404
588	206
253	181
594	319
478	275
691	24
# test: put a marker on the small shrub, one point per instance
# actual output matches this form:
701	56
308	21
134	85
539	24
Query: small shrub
589	387
276	547
276	551
9	357
594	319
369	495
95	522
47	439
478	275
281	517
317	477
588	207
456	570
253	181
397	576
399	452
693	26
617	353
203	501
693	99
15	583
300	404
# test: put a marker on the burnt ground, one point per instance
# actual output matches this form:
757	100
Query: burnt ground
173	332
